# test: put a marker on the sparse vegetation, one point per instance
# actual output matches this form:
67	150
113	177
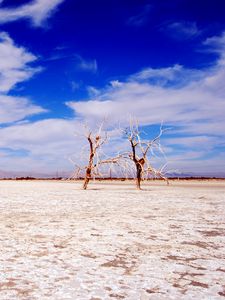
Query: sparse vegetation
138	157
139	153
95	142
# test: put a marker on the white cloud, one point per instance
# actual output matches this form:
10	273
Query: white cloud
191	101
216	43
175	76
44	146
197	103
15	68
87	65
14	63
92	91
193	105
194	141
37	11
16	108
37	134
182	30
190	162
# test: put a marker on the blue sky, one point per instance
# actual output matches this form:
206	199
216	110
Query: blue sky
64	62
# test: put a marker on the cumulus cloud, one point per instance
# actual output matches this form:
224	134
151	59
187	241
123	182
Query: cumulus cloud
15	68
44	146
14	64
37	11
16	108
21	146
197	106
49	131
216	44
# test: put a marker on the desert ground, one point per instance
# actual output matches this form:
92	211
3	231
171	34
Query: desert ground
111	241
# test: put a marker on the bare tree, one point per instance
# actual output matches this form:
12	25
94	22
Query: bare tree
95	139
139	153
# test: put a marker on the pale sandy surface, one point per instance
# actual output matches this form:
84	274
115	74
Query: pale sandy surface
112	242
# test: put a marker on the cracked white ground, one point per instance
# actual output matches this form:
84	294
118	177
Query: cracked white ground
111	241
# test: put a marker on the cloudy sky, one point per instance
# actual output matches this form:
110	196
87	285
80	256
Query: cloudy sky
65	62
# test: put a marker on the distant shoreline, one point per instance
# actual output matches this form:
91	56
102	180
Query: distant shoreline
111	179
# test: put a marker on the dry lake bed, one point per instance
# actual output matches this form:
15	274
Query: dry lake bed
59	242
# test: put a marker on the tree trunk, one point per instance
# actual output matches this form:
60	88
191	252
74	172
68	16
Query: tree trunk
138	177
87	178
90	164
86	181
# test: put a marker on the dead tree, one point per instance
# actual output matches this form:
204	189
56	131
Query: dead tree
139	153
94	143
95	154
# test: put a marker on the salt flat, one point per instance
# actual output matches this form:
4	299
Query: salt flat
111	241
